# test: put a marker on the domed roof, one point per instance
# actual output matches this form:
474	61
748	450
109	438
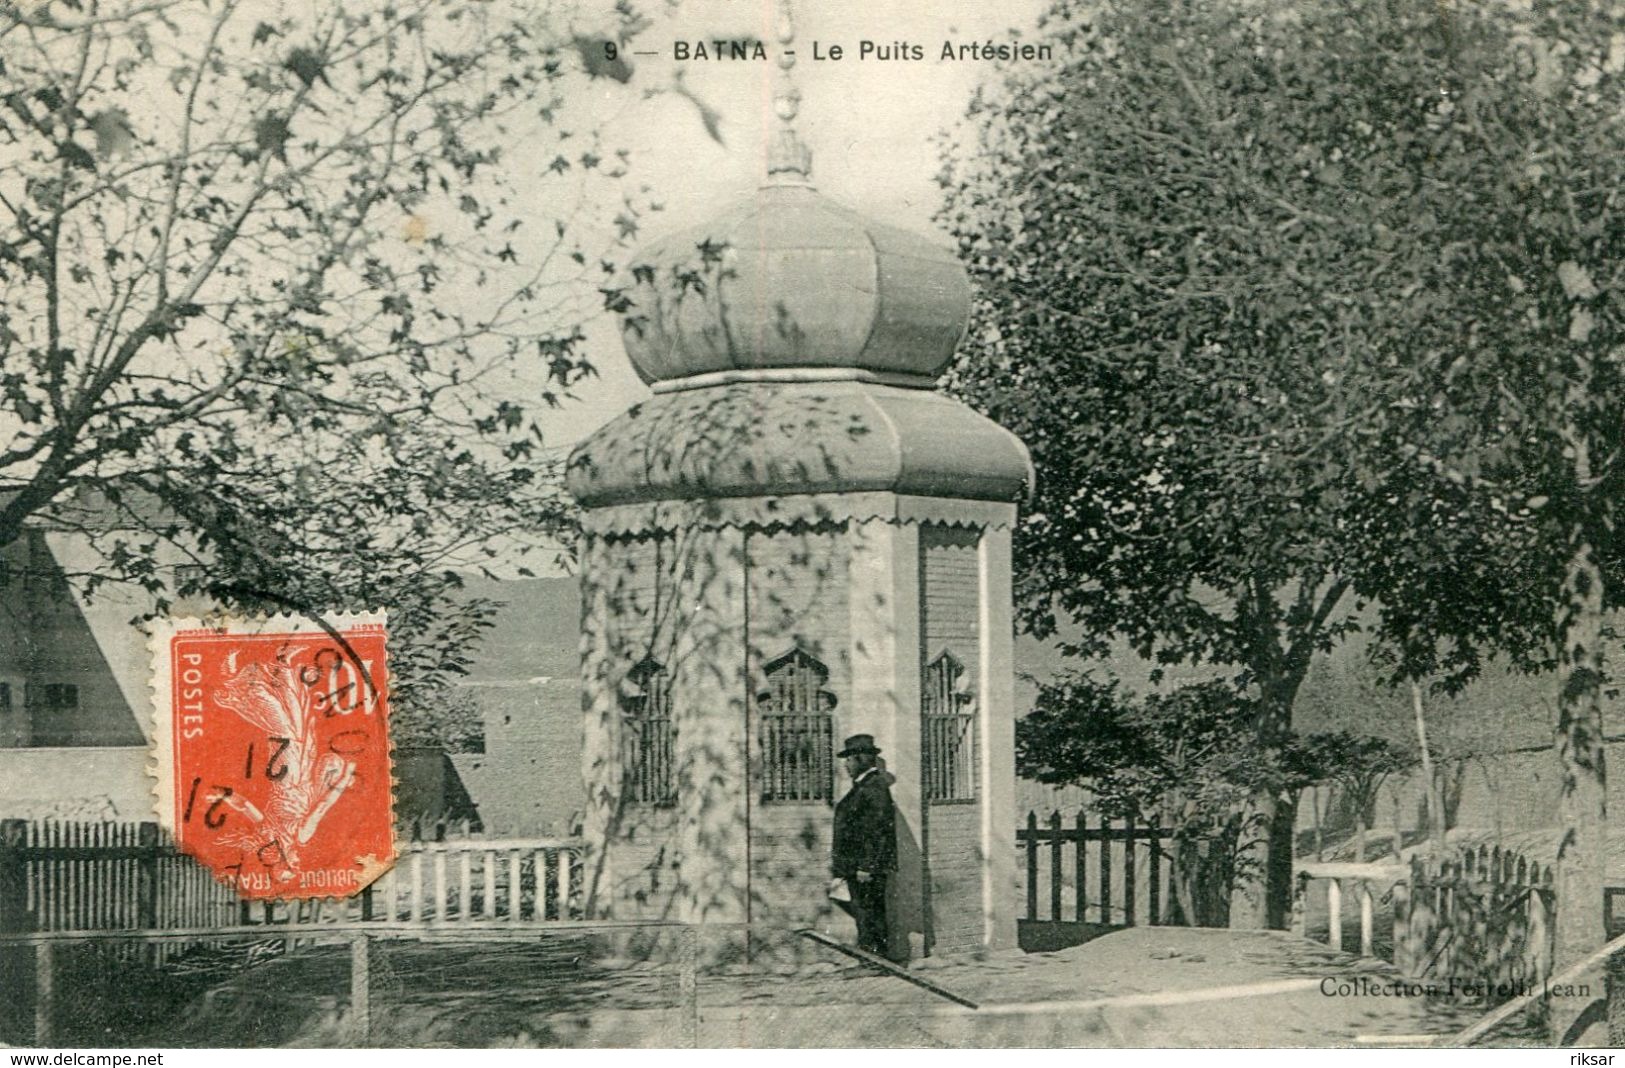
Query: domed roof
788	279
757	439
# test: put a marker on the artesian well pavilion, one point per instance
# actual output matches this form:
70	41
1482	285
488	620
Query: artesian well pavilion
797	538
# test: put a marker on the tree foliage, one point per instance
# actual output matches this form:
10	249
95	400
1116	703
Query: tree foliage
1358	764
1512	389
1186	760
286	285
1193	744
1161	235
1302	306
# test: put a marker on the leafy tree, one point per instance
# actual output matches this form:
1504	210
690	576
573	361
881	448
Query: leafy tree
1158	252
285	285
1359	764
1185	759
1514	395
1298	306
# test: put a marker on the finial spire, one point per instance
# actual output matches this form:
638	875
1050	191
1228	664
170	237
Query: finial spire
788	159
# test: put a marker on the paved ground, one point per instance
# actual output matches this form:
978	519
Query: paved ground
1141	987
1149	986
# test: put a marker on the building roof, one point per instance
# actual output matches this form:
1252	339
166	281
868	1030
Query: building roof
754	439
789	279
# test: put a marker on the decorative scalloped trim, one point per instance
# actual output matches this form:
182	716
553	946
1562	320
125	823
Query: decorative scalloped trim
793	512
160	765
750	441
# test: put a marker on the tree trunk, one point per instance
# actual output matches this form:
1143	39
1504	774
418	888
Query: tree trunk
1185	867
1359	835
1435	803
1320	831
1399	833
1583	792
1202	877
1452	778
1249	896
1282	857
1261	890
1261	887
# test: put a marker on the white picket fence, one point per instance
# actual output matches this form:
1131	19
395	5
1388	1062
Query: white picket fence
476	880
111	877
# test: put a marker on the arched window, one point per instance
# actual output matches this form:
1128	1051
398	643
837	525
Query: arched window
648	736
948	727
797	731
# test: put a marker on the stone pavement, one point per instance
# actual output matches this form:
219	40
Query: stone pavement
1147	986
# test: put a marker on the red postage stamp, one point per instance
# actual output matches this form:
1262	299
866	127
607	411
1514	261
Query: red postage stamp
273	757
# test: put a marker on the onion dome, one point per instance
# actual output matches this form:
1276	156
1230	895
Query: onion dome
790	279
792	345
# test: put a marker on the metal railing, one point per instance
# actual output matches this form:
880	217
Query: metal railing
948	766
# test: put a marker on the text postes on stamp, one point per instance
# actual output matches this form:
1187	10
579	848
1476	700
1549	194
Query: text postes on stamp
272	746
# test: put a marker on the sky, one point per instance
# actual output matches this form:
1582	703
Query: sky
869	125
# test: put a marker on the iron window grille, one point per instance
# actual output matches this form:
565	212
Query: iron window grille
797	730
648	736
948	741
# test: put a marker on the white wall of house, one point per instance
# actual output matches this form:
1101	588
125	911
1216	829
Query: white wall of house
92	783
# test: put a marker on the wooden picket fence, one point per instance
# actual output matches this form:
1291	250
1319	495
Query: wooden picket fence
1485	915
110	876
103	876
1117	874
472	880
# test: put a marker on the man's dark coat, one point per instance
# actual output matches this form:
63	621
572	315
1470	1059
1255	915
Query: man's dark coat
865	829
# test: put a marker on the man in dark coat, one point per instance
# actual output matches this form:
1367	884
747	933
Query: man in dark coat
865	847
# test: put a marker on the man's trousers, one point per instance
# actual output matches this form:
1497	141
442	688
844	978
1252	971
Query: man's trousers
868	907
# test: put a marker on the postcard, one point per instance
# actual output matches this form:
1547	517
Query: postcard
810	524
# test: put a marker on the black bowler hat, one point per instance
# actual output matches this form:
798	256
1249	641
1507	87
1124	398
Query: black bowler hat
859	743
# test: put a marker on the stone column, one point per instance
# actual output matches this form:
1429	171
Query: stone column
996	703
709	686
884	602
